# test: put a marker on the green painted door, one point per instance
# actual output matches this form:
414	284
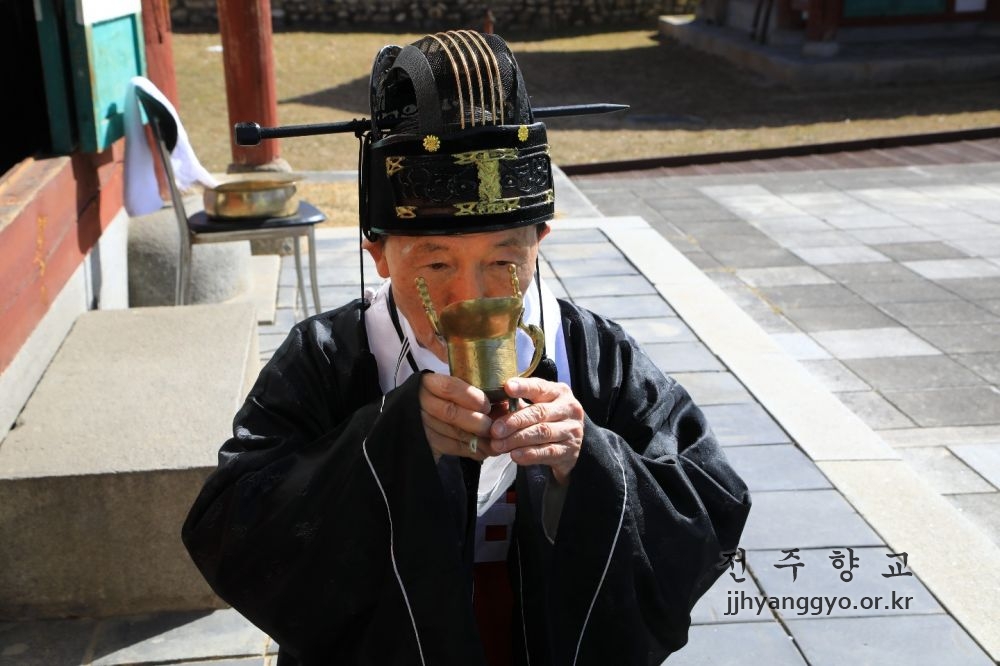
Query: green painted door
90	49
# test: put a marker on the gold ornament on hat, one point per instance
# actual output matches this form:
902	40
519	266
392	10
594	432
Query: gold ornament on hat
522	133
431	143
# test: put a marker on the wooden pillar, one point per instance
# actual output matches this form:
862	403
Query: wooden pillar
824	16
248	58
156	32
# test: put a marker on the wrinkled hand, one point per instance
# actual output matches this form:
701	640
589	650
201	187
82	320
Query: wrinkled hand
547	432
453	413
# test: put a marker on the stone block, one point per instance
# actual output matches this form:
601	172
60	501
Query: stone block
110	451
219	271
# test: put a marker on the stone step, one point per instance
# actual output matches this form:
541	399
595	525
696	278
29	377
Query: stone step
108	455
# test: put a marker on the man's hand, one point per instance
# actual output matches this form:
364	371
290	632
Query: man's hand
547	432
453	413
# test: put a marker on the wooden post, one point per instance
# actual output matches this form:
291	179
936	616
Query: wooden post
157	34
248	59
821	26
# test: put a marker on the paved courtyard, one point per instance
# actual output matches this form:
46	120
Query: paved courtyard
884	283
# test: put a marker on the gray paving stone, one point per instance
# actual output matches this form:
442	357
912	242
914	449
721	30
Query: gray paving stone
962	339
873	343
874	410
978	246
783	275
953	269
673	357
942	436
720	192
954	406
762	206
818	577
269	342
968	228
974	289
983	509
822	200
713	388
914	640
804	519
870	272
763	313
993	305
844	254
719	231
730	644
175	637
702	260
736	242
331	297
627	307
557	288
581	251
904	291
328	273
778	225
944	223
661	329
984	458
935	313
985	365
920	251
838	318
800	346
743	424
563	236
45	642
568	268
886	235
813	295
835	376
913	372
801	239
946	473
630	285
757	258
714	604
776	467
707	213
863	220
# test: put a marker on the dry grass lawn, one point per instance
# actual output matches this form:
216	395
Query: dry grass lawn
682	101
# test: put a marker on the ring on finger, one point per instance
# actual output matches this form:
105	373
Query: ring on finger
473	443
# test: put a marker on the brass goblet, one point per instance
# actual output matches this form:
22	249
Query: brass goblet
480	335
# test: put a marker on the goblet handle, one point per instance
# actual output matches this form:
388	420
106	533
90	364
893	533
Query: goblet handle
538	339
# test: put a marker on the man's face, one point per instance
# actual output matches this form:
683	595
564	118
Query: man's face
456	268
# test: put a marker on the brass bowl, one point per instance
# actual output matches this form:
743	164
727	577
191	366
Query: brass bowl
268	195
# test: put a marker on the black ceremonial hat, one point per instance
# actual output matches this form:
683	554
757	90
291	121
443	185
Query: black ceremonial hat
462	152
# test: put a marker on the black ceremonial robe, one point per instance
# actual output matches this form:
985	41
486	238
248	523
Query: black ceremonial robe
328	526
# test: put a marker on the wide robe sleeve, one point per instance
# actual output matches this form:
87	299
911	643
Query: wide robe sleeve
651	507
325	522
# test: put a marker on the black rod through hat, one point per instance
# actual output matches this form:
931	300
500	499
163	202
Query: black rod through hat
251	134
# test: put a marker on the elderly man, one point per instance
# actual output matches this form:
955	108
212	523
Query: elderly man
372	509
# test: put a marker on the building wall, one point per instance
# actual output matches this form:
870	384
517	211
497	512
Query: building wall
407	15
62	252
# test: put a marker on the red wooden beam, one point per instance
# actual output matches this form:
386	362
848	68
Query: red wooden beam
157	33
47	239
248	59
